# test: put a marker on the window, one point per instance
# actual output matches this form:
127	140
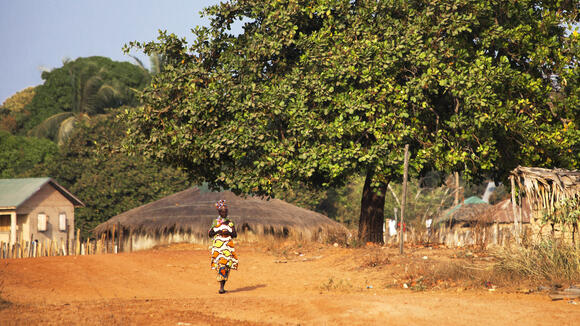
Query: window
41	222
4	223
62	221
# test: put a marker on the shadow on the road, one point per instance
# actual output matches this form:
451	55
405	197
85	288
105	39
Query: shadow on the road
247	288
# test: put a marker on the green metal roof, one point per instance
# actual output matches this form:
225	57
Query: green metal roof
470	200
474	200
14	192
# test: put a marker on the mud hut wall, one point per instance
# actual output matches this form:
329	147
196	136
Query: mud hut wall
142	240
500	234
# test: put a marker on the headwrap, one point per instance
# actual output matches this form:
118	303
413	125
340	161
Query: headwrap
221	204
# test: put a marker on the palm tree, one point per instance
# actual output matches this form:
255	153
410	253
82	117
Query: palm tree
157	63
90	96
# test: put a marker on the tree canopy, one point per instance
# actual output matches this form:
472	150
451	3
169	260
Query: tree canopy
315	91
108	182
85	86
19	154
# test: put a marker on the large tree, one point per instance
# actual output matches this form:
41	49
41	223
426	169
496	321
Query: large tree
315	91
79	90
12	111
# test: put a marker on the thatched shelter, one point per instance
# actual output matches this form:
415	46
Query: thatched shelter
187	216
503	213
464	214
456	225
545	190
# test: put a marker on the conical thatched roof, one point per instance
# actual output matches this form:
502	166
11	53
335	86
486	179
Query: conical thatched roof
468	211
192	211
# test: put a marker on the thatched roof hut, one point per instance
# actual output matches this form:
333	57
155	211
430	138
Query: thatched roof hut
464	213
187	216
545	187
546	192
503	213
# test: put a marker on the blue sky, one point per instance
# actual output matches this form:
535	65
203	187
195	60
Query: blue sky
39	34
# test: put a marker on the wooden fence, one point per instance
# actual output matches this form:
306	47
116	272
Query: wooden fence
107	243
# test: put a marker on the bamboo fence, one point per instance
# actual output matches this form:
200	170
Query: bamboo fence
107	243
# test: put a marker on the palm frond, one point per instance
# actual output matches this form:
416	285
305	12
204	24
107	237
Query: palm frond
139	62
65	130
158	62
49	127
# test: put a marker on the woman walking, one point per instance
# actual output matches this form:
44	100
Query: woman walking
223	255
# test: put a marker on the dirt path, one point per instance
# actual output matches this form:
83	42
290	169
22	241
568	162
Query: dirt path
319	285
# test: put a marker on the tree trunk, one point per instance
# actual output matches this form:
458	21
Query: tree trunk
370	227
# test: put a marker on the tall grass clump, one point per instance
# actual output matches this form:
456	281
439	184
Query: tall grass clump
550	260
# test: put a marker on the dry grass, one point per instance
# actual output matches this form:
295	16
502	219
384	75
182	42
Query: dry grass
550	261
374	257
339	285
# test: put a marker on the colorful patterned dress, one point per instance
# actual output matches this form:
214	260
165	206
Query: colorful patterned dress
223	255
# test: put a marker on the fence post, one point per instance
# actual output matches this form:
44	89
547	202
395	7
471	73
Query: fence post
404	199
78	242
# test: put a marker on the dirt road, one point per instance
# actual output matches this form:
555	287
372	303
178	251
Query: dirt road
293	285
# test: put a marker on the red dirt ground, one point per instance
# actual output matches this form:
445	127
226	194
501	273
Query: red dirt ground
306	284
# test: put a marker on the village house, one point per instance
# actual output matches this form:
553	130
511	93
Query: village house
36	209
186	216
546	192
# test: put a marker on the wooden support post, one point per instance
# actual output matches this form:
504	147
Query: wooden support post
404	199
12	228
113	238
67	243
514	209
130	240
456	199
120	237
